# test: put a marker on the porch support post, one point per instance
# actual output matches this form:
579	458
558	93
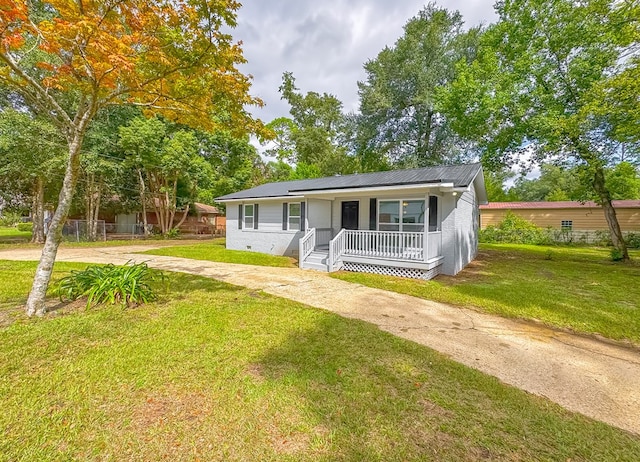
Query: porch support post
425	250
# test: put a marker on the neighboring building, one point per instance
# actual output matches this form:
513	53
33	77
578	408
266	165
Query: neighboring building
207	219
416	223
564	215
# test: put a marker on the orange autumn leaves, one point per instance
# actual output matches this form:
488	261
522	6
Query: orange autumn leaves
169	56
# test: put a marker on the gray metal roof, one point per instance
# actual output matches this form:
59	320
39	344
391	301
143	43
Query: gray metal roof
459	175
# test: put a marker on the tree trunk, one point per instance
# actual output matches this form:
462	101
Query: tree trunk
89	207
184	217
143	202
609	212
96	212
36	301
37	212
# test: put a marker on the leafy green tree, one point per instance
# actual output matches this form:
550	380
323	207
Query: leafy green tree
314	136
623	181
535	83
401	117
103	173
67	60
31	163
234	160
495	185
170	166
554	184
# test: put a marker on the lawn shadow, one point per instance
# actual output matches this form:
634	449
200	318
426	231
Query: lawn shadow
372	396
182	284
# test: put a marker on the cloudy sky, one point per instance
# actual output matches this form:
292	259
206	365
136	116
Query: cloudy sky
325	43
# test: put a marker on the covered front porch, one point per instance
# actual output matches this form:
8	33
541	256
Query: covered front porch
401	253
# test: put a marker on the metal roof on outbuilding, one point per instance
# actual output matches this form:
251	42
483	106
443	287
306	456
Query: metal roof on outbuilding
458	175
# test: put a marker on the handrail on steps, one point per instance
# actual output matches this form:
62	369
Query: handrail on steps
306	245
336	249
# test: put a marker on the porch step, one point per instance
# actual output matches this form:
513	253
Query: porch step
317	260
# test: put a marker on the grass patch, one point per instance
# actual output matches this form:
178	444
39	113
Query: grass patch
217	372
578	288
12	235
216	251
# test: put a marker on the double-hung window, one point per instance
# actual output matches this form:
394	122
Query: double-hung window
248	216
566	225
249	210
294	216
401	215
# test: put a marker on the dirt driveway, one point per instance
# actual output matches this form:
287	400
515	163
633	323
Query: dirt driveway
585	375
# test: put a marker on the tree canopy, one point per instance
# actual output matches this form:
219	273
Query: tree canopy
401	117
532	90
67	60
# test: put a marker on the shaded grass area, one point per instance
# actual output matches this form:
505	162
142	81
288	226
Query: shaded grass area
216	251
578	288
12	235
8	245
217	372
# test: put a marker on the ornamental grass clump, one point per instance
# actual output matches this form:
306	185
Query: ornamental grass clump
131	284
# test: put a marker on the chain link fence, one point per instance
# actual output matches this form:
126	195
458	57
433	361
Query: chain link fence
81	231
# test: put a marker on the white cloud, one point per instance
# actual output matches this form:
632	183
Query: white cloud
325	44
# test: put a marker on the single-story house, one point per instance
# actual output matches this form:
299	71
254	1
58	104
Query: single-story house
564	215
415	223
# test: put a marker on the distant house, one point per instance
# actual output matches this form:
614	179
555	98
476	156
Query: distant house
415	223
564	215
203	219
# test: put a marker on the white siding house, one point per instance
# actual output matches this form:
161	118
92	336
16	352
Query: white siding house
415	223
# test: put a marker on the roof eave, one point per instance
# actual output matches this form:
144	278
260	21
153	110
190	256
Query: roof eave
256	198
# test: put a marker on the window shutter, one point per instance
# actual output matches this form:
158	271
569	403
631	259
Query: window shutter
240	217
302	215
373	214
255	216
285	216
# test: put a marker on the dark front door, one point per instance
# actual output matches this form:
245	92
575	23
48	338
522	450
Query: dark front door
350	212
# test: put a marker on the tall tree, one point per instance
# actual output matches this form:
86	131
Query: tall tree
399	100
31	163
234	161
314	135
68	59
169	165
533	88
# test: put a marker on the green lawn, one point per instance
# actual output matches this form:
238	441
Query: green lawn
217	372
216	251
578	288
11	234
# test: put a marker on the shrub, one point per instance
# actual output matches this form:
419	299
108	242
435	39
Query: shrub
173	233
616	254
131	284
10	219
633	240
25	227
516	230
602	239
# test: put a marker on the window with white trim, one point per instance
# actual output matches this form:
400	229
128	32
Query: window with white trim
294	216
401	215
249	211
566	225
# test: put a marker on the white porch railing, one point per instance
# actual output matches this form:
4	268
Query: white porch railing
336	249
306	245
434	244
395	245
391	245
